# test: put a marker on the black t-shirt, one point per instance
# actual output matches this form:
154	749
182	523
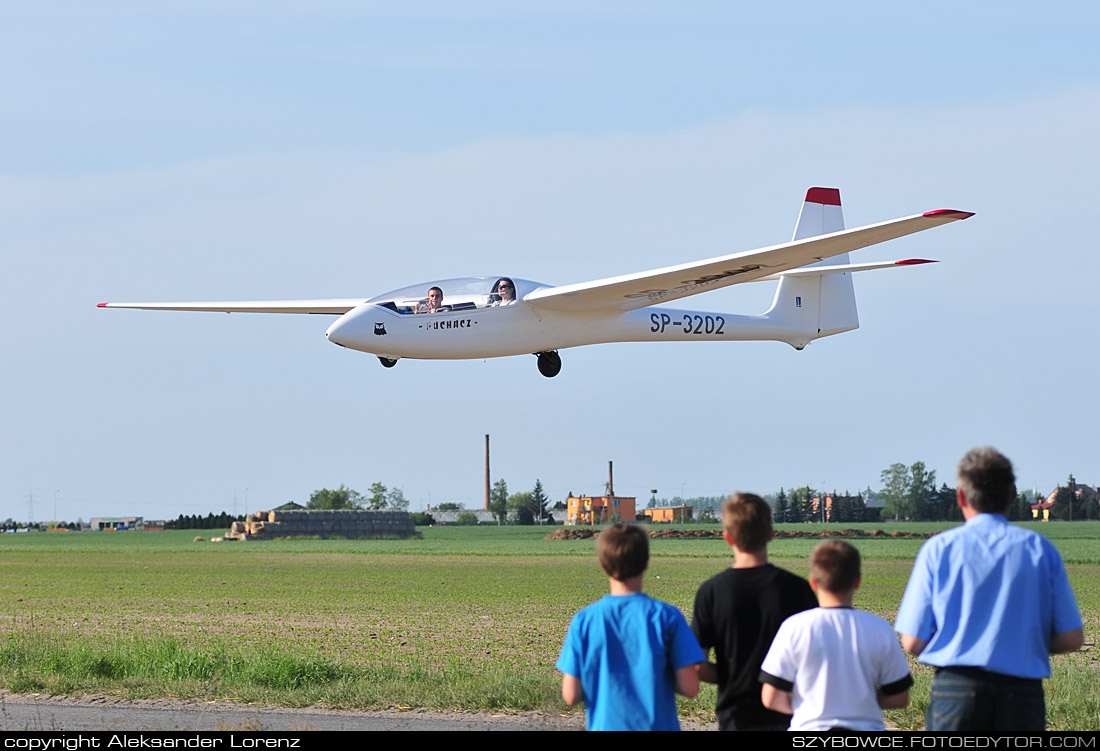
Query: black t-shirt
737	613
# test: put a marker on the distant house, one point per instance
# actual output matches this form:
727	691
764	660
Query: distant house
451	517
1041	510
111	523
599	510
669	514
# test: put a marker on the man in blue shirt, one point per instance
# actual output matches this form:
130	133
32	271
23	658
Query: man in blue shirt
987	604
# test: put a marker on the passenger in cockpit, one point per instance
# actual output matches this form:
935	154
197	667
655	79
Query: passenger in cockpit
504	293
433	303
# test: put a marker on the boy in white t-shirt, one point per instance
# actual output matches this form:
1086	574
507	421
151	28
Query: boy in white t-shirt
835	667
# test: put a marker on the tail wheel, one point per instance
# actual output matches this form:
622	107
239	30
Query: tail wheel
549	363
387	362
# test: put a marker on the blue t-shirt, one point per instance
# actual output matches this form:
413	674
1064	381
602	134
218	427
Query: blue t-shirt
626	649
990	595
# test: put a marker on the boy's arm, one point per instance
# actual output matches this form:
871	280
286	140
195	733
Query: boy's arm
708	672
776	700
1067	641
687	680
895	694
571	690
893	701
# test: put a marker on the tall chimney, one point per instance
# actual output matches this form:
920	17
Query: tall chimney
486	471
610	479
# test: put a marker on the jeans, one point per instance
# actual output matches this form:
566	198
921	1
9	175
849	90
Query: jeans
967	698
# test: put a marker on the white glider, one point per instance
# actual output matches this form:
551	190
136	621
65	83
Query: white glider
479	317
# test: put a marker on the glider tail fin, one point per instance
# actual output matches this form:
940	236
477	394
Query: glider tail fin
823	304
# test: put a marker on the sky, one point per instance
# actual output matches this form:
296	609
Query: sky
278	150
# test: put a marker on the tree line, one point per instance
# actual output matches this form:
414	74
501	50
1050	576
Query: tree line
908	493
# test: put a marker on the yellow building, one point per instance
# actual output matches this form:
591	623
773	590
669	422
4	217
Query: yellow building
669	514
599	510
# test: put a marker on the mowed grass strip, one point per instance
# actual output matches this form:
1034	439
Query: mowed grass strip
475	624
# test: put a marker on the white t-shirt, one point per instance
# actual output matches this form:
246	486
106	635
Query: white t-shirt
833	661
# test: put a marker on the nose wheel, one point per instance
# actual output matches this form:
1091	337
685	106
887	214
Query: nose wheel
387	362
549	363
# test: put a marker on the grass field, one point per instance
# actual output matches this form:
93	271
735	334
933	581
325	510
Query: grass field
465	618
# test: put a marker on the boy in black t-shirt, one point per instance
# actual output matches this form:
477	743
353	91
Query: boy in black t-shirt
738	612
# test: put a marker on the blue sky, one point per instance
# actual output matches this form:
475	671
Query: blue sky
246	150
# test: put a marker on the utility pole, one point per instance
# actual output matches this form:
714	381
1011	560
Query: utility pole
486	471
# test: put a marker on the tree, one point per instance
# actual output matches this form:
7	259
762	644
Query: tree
538	502
802	500
449	507
377	500
922	490
781	512
421	519
847	508
467	519
895	490
396	500
521	508
340	498
943	505
498	500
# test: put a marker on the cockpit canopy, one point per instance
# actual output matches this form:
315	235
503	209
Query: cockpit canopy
458	294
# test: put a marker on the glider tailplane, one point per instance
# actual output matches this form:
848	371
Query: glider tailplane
810	306
823	304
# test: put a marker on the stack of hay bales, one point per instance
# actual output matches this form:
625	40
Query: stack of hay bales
350	523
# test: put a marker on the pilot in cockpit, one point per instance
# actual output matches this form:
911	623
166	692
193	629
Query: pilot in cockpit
504	293
433	303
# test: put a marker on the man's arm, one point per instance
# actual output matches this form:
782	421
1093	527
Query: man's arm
1067	641
571	690
913	645
776	700
708	672
687	680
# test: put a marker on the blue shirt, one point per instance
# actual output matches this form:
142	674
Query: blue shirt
990	595
626	649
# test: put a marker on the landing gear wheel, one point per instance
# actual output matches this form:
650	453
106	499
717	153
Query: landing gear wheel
387	362
549	363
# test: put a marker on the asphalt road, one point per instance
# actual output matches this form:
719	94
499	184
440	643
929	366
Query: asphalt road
19	712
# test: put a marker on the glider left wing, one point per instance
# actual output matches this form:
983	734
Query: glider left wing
324	307
639	290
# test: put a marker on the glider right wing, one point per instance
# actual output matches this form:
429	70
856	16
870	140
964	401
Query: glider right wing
645	288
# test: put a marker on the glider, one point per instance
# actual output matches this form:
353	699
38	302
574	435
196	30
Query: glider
499	316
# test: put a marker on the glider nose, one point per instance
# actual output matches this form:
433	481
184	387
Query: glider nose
343	330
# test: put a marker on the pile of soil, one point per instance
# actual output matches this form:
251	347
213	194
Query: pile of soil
586	533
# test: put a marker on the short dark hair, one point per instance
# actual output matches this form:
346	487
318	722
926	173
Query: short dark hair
623	551
987	481
834	565
748	520
436	289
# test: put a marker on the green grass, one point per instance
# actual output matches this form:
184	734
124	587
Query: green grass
464	618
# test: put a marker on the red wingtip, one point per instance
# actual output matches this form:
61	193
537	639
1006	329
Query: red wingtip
913	261
827	196
952	213
102	305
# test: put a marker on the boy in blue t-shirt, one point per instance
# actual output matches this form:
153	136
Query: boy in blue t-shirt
627	655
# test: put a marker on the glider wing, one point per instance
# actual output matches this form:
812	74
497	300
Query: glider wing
639	290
